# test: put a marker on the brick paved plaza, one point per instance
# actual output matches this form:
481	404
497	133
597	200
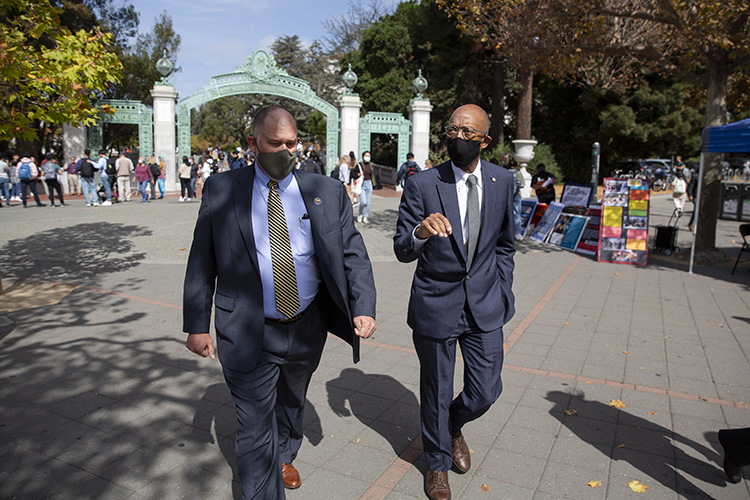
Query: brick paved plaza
99	398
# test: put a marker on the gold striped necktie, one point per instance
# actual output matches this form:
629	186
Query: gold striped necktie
284	277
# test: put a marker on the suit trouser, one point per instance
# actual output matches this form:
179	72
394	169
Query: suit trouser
440	413
270	401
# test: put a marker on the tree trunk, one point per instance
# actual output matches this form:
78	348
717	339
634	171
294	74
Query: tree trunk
497	112
716	115
523	129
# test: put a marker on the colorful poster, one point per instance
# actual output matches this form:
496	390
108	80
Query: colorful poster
623	235
547	222
567	231
527	212
576	195
589	243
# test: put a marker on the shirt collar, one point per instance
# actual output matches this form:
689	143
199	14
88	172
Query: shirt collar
461	175
262	178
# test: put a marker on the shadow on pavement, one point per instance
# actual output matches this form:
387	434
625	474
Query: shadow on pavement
374	397
649	447
80	253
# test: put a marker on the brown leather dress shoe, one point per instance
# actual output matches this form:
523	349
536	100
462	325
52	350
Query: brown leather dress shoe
291	476
436	486
461	453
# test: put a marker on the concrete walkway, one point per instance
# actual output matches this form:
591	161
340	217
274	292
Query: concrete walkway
100	399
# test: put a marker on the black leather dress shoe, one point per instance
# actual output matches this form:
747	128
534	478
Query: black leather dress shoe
461	453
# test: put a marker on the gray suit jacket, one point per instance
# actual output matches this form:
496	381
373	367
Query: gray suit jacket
223	265
442	285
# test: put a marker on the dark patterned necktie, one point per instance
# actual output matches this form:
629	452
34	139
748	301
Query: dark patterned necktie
284	277
472	219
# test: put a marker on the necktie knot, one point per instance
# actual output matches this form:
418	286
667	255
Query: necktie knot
471	180
273	185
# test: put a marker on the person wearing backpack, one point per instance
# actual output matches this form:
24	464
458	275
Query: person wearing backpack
28	174
155	173
406	170
87	168
51	170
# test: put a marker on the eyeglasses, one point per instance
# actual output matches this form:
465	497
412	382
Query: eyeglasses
469	133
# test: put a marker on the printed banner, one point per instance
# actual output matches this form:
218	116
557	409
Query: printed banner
623	236
576	195
547	222
527	212
589	243
568	230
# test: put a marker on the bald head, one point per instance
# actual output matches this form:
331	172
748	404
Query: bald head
272	114
471	113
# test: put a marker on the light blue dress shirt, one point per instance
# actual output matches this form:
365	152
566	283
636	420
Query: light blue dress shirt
300	237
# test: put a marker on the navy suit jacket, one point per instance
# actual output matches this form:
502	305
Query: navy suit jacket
223	265
442	285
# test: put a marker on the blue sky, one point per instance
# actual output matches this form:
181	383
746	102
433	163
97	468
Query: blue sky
218	35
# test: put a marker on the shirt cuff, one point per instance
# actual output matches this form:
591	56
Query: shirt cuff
416	242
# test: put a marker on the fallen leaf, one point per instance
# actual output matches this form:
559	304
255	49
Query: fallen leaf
358	440
617	403
471	451
485	488
588	381
618	274
570	412
719	324
566	322
594	484
651	412
573	293
637	486
621	445
624	352
643	368
505	345
182	249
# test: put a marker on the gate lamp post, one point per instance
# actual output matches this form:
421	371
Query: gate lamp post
350	80
165	67
420	85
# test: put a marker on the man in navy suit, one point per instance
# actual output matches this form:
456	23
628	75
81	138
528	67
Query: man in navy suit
457	220
276	252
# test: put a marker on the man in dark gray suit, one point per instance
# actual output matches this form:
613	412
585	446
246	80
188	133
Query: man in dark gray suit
276	252
457	219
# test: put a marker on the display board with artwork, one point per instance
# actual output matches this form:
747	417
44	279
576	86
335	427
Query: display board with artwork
547	222
567	231
623	236
589	243
527	212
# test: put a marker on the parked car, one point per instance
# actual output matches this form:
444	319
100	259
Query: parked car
660	163
630	168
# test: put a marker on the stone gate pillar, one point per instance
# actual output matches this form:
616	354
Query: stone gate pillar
419	116
349	106
74	142
165	97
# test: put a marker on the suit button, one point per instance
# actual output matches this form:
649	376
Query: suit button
463	266
260	304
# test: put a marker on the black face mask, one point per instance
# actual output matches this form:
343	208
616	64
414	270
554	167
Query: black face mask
463	152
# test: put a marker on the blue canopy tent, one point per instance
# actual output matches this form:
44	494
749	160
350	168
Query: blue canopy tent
730	138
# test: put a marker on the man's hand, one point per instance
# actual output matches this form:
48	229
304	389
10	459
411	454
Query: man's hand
201	344
364	326
434	225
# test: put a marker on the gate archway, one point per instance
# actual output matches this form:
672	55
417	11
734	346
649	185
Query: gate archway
376	122
126	113
259	75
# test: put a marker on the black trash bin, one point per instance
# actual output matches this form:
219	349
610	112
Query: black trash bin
730	200
745	203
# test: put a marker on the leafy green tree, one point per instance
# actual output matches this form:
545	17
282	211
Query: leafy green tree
48	74
139	61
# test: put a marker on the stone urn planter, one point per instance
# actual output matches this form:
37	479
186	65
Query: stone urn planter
524	154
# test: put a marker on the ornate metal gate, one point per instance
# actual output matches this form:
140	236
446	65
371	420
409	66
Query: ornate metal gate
127	113
385	123
260	75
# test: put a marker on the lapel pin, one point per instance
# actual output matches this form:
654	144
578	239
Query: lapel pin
317	201
493	179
